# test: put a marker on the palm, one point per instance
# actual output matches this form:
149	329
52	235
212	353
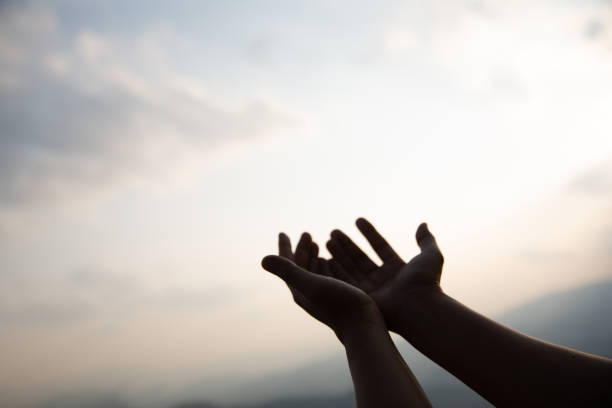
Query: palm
332	301
390	282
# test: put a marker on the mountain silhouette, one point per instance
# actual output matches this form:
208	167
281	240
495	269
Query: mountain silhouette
578	318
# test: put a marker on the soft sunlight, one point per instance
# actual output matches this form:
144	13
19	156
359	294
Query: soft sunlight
151	152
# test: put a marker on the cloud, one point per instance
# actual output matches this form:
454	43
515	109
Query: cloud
505	47
597	181
78	115
544	256
94	294
399	39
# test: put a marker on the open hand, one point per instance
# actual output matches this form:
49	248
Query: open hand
390	283
312	281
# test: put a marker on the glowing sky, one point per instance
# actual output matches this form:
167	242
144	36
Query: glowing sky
149	155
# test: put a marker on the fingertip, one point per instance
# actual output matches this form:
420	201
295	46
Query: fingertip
314	252
363	224
425	238
268	262
278	265
422	231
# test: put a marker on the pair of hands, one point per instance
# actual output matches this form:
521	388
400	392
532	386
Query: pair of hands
350	290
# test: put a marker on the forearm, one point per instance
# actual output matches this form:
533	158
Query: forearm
504	366
380	376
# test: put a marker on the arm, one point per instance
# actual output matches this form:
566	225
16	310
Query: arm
504	366
380	376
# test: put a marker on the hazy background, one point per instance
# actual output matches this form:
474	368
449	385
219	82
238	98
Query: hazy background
151	151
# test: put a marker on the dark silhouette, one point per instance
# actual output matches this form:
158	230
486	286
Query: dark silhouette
380	376
505	367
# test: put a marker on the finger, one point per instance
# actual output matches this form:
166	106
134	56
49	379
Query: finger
284	246
294	276
323	268
337	271
302	250
378	243
313	260
426	240
344	260
361	260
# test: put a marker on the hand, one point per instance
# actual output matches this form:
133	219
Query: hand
332	301
390	283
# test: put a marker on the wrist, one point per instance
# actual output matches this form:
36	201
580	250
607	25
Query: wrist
411	308
371	321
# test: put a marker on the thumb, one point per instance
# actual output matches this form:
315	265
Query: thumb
426	240
292	274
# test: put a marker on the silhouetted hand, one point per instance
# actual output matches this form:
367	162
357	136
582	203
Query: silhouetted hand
390	283
332	301
380	376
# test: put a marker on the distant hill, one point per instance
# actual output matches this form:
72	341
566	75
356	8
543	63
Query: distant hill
578	318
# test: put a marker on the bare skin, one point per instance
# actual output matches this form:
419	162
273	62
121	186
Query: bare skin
505	367
380	376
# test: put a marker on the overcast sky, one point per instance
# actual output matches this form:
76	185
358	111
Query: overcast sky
150	153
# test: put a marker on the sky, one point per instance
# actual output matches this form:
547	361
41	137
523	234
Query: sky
150	152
